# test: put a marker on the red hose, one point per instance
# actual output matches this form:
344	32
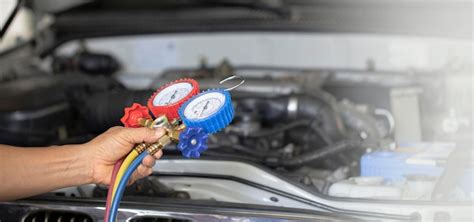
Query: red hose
111	184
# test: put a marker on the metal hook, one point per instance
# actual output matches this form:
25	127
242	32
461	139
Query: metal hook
231	78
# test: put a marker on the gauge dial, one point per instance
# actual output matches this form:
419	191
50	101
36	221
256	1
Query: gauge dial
167	99
211	110
204	106
172	94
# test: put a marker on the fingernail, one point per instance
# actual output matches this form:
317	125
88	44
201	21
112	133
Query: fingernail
159	132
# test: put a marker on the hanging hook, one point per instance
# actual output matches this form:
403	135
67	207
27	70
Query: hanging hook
242	81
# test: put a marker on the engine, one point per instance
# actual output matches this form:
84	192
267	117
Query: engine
317	128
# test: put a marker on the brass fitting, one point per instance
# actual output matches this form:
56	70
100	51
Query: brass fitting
140	147
179	127
148	123
162	142
174	122
161	121
174	133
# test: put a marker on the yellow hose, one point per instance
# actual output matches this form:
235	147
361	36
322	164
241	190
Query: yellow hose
126	163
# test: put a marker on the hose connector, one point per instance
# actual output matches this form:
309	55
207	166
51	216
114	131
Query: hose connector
162	142
140	147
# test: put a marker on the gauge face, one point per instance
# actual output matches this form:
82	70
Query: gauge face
172	94
204	106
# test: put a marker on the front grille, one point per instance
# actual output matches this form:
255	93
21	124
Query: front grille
57	216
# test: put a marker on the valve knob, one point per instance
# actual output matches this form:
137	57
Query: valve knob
192	142
133	114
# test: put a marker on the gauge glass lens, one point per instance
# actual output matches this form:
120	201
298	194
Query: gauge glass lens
172	94
204	106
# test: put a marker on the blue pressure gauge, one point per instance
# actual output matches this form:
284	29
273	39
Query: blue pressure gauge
211	111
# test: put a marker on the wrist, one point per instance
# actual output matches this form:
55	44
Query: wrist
83	162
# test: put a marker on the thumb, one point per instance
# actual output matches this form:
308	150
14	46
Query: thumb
138	135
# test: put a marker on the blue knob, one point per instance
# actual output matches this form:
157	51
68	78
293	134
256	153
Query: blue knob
192	142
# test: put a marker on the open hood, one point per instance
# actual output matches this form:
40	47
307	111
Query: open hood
97	18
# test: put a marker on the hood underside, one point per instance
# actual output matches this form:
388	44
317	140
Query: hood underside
100	18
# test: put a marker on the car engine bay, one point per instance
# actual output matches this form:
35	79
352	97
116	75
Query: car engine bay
331	131
347	111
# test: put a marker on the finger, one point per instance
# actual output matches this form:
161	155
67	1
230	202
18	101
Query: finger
141	172
149	161
114	129
158	154
133	178
138	135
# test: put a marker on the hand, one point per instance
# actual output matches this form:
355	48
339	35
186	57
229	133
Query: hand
116	143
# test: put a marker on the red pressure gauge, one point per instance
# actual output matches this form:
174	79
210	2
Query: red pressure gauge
168	98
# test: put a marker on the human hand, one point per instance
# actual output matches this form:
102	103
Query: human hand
115	144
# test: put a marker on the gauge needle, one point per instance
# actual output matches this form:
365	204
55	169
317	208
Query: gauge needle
172	96
204	108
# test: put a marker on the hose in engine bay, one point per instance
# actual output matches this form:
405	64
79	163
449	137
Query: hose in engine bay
315	154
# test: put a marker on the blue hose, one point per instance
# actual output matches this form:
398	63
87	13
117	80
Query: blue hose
123	184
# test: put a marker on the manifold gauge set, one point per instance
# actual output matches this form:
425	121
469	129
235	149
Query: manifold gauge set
188	117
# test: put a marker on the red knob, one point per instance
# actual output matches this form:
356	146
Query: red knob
161	103
133	114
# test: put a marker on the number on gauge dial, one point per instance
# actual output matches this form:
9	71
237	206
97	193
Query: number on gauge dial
204	106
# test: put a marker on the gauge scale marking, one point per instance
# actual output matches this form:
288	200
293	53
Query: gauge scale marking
210	110
204	106
172	94
168	99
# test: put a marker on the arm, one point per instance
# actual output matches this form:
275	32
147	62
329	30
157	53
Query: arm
30	171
